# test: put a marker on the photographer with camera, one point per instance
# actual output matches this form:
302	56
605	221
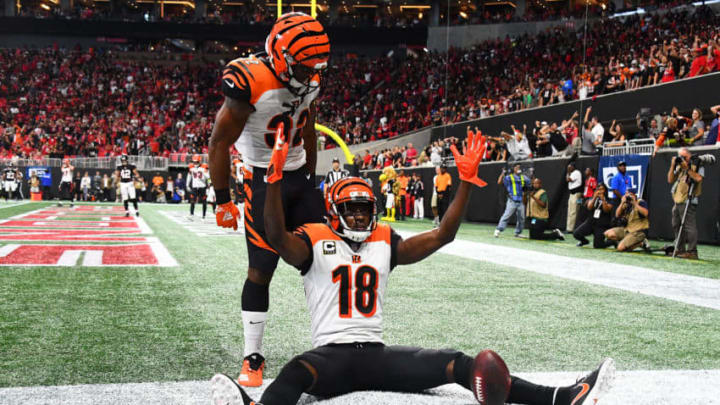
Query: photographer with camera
537	211
686	175
598	221
632	216
515	184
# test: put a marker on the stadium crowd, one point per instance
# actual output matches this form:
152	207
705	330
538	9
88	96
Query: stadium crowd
507	75
56	102
84	103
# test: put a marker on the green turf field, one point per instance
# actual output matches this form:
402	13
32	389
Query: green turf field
90	325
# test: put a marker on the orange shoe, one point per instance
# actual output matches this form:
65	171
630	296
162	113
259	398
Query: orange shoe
251	374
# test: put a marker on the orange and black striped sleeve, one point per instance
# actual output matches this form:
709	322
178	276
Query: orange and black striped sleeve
237	81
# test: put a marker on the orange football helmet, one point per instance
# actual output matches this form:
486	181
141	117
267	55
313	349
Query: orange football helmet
350	190
298	39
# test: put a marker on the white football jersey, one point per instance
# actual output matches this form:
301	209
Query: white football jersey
67	174
253	80
197	176
344	289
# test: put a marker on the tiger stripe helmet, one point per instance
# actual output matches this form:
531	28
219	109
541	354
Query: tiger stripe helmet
350	190
297	38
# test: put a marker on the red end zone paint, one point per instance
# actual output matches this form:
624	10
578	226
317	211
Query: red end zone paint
47	225
52	215
149	253
69	255
131	226
67	234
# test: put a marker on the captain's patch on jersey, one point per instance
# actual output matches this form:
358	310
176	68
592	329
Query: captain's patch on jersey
329	247
83	235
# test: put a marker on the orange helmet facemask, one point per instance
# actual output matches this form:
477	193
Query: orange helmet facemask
347	191
298	42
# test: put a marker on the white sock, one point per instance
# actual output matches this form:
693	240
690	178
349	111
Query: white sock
253	330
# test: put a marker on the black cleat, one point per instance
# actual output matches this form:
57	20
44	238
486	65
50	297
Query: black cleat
226	391
588	390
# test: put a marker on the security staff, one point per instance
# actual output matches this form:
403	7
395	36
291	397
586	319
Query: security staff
619	184
442	187
682	175
515	183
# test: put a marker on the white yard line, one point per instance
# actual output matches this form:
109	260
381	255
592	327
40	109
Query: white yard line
165	259
10	205
660	387
202	227
693	290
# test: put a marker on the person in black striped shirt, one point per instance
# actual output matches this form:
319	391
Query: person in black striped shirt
335	174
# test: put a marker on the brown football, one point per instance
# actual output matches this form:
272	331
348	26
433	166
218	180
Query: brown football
490	378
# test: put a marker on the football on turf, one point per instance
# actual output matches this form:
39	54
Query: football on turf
490	378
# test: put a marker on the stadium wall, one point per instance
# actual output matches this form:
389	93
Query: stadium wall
488	203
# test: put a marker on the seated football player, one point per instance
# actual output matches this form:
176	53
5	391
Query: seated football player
345	265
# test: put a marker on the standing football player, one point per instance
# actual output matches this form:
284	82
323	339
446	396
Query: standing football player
66	182
345	264
9	177
197	183
126	173
264	92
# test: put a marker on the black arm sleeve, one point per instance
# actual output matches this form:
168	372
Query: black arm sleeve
305	266
394	240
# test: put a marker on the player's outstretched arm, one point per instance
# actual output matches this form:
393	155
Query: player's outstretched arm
229	123
420	246
290	247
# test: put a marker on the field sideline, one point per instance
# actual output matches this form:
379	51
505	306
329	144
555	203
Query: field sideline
111	324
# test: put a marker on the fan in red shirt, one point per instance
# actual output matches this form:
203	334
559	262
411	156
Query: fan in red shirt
700	63
590	183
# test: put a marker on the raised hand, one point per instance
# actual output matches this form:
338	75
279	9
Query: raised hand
279	154
468	163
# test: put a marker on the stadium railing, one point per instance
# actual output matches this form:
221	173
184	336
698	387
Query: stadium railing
632	147
184	159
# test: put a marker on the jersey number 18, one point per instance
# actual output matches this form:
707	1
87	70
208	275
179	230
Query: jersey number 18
366	283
